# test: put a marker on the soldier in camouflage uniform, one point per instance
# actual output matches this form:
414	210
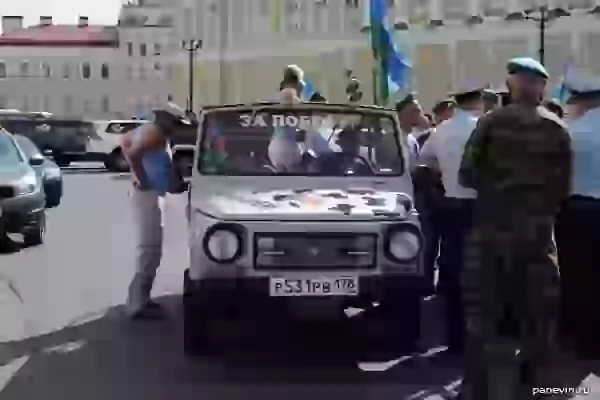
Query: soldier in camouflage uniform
519	161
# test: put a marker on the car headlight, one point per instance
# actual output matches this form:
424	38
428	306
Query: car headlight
26	184
403	242
223	243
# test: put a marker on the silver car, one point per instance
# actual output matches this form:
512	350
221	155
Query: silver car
22	197
301	205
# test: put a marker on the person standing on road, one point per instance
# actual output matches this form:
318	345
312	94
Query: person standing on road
147	152
412	118
410	115
443	152
518	159
577	234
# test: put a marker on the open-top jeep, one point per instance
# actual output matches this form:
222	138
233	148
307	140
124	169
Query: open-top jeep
298	204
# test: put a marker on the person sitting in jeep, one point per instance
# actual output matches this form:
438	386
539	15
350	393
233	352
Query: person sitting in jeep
348	161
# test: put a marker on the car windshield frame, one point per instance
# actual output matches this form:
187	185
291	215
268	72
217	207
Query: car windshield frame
4	136
310	110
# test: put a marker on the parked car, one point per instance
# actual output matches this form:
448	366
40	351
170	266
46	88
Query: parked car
322	230
48	171
106	145
22	197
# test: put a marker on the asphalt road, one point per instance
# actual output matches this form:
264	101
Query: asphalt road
63	336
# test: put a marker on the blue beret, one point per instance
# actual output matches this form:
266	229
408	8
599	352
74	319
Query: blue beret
526	64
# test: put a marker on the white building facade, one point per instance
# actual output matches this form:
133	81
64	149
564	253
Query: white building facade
87	71
248	42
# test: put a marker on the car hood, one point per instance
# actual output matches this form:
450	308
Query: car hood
12	173
307	204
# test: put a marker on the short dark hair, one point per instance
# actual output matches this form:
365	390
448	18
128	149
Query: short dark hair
554	107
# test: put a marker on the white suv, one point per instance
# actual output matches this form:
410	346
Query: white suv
301	204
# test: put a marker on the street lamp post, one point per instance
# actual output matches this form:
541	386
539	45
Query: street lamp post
191	46
546	15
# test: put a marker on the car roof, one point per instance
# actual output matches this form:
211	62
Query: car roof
306	104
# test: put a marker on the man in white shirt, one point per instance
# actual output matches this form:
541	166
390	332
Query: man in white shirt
577	234
410	115
412	119
444	151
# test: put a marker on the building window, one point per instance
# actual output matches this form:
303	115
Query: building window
46	70
142	72
45	103
143	50
352	3
129	73
105	104
66	71
67	105
129	49
104	71
157	49
263	7
87	106
157	67
86	71
24	69
2	70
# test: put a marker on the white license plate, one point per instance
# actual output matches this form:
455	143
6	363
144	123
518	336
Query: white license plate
321	286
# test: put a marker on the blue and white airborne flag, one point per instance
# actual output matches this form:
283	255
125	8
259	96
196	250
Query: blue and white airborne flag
560	91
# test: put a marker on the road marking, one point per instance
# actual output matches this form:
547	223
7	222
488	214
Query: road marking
8	371
12	312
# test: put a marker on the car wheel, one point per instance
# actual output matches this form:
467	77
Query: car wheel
116	162
197	317
34	236
401	314
62	161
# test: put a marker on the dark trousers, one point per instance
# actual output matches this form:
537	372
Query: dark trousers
457	220
432	232
577	234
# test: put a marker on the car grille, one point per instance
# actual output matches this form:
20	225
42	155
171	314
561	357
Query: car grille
314	251
6	192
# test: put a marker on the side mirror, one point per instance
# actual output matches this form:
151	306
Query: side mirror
36	161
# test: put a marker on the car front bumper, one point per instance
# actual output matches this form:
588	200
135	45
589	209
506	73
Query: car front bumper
20	212
372	288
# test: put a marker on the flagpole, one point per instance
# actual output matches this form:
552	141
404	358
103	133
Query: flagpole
375	86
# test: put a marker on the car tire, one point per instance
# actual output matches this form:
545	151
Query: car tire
116	162
34	236
400	312
198	314
53	194
62	161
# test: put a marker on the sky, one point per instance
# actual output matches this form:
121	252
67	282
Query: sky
63	11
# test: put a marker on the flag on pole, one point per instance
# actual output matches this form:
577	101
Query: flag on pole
393	68
560	91
308	90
